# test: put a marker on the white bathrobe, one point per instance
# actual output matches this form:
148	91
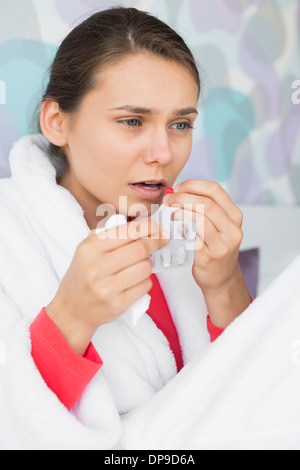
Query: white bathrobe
241	392
41	226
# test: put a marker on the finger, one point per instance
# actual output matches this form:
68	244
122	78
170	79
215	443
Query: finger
207	207
121	291
133	275
215	192
185	215
125	234
207	233
212	238
128	297
131	254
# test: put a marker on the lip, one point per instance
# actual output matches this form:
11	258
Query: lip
149	194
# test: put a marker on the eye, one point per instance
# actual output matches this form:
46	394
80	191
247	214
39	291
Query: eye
133	123
182	126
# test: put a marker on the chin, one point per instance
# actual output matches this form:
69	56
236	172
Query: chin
142	209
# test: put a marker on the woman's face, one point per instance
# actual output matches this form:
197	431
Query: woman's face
134	127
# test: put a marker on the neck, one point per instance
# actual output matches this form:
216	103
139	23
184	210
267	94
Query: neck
87	201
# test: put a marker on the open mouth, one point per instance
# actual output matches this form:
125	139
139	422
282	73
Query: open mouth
149	185
150	189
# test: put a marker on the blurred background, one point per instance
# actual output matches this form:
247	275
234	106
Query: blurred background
247	135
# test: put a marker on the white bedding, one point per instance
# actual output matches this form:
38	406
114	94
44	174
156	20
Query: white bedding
243	393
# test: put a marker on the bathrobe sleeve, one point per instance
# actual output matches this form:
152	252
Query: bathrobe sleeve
32	417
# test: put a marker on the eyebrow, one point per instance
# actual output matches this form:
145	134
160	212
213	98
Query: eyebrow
140	110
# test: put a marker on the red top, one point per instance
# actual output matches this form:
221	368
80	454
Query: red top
67	374
160	314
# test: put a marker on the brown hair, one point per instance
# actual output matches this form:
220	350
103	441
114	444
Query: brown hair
105	38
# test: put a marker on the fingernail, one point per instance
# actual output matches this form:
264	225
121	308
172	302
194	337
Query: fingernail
176	188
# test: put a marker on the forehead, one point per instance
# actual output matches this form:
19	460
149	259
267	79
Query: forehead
147	80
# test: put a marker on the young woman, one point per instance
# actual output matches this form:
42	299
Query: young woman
116	122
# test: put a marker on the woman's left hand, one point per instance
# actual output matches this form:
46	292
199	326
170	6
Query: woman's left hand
216	268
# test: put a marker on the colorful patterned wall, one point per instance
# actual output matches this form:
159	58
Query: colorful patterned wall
247	136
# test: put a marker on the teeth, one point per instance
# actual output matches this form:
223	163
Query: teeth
149	185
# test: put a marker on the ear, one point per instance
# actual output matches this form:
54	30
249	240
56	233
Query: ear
53	123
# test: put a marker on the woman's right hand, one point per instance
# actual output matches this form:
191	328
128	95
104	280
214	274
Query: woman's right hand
109	272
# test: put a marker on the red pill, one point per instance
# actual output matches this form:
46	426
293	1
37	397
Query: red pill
169	190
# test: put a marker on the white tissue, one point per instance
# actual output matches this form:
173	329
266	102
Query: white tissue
113	221
140	307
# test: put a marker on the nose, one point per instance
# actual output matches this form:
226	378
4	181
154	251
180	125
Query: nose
158	148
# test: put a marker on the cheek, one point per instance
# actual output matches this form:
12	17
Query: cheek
182	152
94	153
